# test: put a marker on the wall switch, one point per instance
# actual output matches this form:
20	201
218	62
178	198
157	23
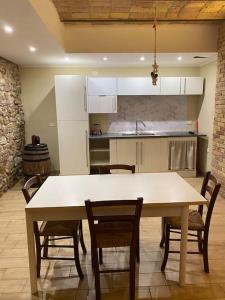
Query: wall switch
208	150
51	124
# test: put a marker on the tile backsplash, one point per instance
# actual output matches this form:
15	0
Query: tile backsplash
159	113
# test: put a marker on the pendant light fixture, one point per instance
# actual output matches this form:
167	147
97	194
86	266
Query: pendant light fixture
154	73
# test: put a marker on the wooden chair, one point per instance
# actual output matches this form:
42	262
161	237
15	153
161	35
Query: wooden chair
106	169
111	229
196	223
61	229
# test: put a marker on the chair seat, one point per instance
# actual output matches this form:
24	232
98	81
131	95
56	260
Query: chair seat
195	221
59	228
113	234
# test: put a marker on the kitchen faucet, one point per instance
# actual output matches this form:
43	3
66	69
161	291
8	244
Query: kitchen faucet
139	121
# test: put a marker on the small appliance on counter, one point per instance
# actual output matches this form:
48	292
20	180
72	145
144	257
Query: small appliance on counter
96	129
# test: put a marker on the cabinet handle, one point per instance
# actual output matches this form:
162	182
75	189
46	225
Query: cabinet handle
141	152
85	99
185	85
115	103
86	137
136	153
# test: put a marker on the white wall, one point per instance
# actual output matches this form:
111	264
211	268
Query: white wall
206	115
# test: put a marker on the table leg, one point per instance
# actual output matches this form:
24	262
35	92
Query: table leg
31	253
183	245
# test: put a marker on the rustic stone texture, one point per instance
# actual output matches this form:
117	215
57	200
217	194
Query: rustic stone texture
11	125
139	10
218	151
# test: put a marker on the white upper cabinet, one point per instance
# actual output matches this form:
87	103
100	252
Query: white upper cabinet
104	86
137	86
102	104
192	85
170	85
71	102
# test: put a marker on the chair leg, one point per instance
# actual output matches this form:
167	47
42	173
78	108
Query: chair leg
163	233
205	253
138	245
167	245
45	251
199	233
95	265
132	273
76	257
82	238
38	256
100	256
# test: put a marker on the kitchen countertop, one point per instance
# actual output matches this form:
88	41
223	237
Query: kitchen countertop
147	135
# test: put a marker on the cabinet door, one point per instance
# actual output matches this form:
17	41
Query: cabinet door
102	104
170	85
154	155
127	152
70	98
101	86
192	85
73	147
137	86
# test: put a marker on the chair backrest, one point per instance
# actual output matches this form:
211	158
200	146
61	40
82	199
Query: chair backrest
33	182
210	189
127	212
107	168
29	192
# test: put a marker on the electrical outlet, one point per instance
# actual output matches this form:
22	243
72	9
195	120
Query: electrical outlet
208	150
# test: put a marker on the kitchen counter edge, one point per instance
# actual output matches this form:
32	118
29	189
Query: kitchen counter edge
156	135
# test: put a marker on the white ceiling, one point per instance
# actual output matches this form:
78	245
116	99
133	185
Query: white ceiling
29	30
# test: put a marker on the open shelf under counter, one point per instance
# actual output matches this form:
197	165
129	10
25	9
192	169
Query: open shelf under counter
99	150
99	163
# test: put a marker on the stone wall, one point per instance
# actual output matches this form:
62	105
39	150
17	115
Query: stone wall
11	125
218	151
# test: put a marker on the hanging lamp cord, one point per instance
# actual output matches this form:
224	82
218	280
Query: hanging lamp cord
154	26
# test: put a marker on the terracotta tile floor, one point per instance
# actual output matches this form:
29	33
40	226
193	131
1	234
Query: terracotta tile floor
59	279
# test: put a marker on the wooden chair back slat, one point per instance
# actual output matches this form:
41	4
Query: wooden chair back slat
35	182
113	217
210	190
106	169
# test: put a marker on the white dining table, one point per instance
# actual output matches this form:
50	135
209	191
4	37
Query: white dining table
63	198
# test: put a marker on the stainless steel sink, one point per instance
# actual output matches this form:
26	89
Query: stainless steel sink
128	134
146	133
137	134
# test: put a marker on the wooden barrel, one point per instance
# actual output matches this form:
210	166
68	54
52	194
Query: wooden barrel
36	160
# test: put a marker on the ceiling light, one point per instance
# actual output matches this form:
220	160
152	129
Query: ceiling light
32	49
66	58
142	58
179	58
105	58
8	29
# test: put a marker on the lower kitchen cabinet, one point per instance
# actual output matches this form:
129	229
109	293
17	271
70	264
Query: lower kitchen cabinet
148	155
124	151
153	155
